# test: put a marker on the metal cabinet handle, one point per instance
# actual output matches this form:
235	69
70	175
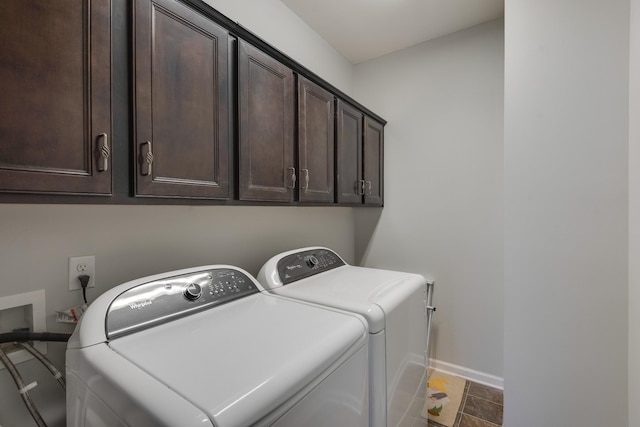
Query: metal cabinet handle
146	158
360	187
103	152
293	177
368	188
306	179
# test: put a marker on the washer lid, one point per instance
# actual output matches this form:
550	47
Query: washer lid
367	291
240	361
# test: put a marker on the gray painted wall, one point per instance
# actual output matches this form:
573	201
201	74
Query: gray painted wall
443	182
134	241
566	212
634	218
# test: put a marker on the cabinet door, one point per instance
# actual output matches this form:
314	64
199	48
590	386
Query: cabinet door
181	102
55	84
349	156
266	128
315	142
373	160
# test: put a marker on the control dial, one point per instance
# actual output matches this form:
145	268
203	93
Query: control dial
311	261
193	292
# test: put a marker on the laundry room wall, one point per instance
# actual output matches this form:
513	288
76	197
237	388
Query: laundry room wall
133	241
634	217
443	186
566	213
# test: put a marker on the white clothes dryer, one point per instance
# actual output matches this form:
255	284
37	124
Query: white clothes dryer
397	307
205	347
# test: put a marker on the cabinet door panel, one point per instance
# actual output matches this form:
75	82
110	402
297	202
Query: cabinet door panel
315	142
373	160
181	102
266	131
349	157
55	81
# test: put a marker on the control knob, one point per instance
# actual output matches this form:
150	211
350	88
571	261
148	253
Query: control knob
193	292
311	261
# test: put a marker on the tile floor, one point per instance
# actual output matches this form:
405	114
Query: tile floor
481	407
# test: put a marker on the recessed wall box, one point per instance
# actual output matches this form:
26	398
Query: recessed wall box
23	312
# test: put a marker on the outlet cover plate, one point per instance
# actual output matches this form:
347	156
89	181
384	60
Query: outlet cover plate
81	265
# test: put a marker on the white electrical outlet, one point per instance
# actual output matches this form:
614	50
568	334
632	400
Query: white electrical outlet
78	266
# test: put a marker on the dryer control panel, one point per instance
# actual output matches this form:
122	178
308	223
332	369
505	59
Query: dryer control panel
156	302
306	264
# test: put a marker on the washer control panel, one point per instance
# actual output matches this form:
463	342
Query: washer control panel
153	303
306	264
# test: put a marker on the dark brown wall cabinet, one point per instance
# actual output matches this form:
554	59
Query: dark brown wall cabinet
360	145
373	150
349	157
181	102
55	84
202	109
316	156
266	127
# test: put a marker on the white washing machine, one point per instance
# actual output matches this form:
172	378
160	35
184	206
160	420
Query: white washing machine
205	347
397	308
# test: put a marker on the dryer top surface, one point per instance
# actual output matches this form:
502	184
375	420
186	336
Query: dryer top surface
242	360
369	292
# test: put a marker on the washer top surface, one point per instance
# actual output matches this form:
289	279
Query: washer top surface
239	361
367	291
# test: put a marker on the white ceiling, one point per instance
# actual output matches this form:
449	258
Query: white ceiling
365	29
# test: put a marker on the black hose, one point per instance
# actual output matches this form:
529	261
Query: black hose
33	336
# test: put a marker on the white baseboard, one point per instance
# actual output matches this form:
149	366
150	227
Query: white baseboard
470	374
